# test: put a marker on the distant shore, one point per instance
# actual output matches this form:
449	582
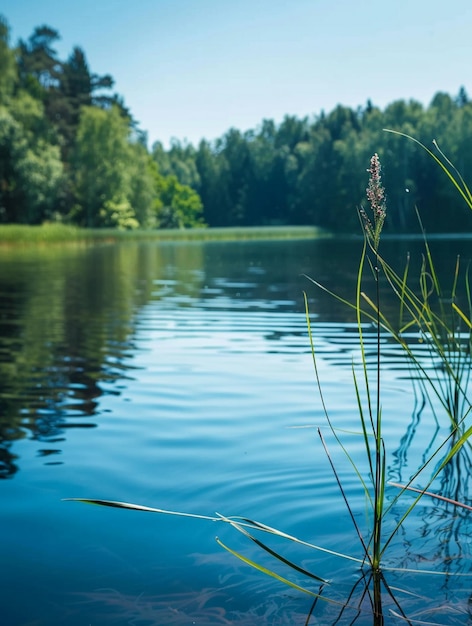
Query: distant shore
12	234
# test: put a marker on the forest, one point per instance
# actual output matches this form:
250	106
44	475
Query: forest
71	152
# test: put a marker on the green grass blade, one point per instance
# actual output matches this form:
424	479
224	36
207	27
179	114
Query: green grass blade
360	273
272	552
454	168
279	533
454	450
243	521
269	572
323	404
462	315
348	304
365	433
465	194
138	507
345	498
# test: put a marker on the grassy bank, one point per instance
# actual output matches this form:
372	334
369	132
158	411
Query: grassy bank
11	234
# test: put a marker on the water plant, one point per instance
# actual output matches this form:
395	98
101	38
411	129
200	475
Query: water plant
439	319
445	331
434	318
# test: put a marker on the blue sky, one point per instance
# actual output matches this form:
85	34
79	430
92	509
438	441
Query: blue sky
192	69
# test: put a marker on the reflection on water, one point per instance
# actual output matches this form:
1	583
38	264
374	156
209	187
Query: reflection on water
180	375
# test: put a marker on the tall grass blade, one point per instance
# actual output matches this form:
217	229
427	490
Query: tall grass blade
345	498
269	572
462	315
138	507
243	521
323	404
465	193
272	552
454	168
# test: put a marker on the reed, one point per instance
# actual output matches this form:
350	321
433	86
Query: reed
441	320
431	316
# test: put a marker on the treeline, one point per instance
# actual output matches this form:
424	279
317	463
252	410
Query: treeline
71	151
306	171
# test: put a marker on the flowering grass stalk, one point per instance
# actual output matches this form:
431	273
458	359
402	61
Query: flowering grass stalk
443	328
376	197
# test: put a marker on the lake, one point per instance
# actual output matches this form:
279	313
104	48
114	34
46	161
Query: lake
180	376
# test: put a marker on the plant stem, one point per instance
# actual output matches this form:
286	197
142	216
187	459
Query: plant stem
378	486
378	610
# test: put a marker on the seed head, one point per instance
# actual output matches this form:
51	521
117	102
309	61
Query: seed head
376	198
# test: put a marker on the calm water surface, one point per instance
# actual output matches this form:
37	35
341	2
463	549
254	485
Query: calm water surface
180	376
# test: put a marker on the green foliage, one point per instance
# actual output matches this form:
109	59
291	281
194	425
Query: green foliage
299	172
51	232
100	159
39	177
29	112
179	161
31	173
8	69
177	205
69	151
142	192
46	233
38	58
306	171
119	213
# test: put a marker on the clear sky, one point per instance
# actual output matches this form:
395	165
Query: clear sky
192	69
